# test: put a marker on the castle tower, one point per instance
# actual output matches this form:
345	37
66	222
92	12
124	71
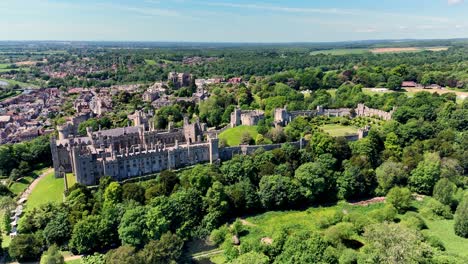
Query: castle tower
214	149
236	117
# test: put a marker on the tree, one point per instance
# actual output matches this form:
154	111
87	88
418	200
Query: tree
393	243
389	174
311	179
303	248
277	192
132	226
113	194
426	174
444	190
133	191
394	82
58	230
85	235
52	256
123	254
400	198
25	247
168	249
246	138
461	218
156	223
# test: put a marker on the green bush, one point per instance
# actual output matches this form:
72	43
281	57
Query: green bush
348	256
400	198
461	218
414	221
329	220
434	242
388	213
435	209
358	220
339	232
218	236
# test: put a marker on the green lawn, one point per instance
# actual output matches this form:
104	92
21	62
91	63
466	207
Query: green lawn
336	130
150	62
444	230
71	179
49	189
21	185
233	135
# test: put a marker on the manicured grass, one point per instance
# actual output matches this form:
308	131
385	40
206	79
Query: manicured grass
233	135
49	189
336	130
150	62
21	185
340	51
71	179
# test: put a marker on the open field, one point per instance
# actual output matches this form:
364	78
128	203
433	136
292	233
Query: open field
150	62
267	224
49	189
376	50
22	84
336	130
409	49
340	51
233	135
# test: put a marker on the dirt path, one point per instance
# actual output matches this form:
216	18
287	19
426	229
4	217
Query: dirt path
207	254
70	258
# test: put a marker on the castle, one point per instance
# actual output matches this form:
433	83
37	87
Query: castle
139	150
130	151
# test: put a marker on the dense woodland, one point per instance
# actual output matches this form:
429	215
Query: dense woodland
423	151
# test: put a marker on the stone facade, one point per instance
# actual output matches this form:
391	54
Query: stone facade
179	79
283	117
363	110
246	117
130	151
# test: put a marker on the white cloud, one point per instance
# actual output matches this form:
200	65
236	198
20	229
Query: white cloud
454	2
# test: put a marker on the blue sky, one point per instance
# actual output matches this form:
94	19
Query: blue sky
231	20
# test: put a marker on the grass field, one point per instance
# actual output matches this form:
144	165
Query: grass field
267	224
339	130
233	135
340	51
49	189
376	50
150	62
22	84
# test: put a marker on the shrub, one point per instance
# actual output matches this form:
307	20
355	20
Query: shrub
348	256
400	198
461	218
339	232
435	209
444	191
414	221
218	236
329	220
388	213
358	220
435	242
